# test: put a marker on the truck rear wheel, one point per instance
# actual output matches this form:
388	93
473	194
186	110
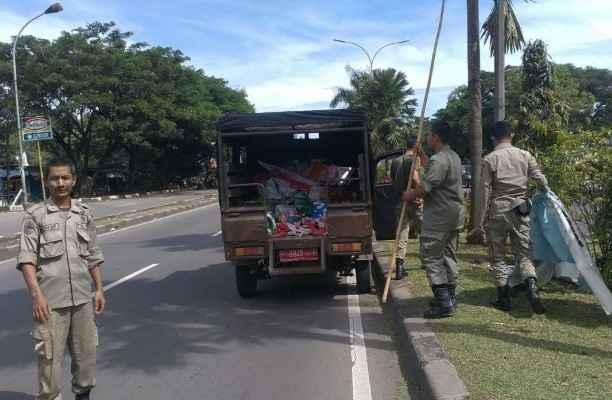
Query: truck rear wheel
362	270
246	282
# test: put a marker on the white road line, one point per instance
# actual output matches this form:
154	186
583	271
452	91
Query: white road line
361	376
217	234
128	277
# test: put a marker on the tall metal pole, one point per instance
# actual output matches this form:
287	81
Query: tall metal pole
371	58
54	8
500	62
19	133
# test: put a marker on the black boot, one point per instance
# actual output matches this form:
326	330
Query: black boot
399	268
515	291
82	396
442	307
534	297
503	302
453	296
451	291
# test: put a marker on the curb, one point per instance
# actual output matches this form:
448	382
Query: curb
129	195
112	225
439	374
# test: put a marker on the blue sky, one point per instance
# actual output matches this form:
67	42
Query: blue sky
282	53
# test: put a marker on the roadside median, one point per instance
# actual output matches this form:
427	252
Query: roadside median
438	377
10	245
563	354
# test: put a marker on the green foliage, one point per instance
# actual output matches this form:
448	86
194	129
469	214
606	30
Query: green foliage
514	40
579	169
385	95
133	109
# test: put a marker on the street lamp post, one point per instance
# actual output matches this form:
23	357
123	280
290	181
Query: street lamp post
370	58
53	8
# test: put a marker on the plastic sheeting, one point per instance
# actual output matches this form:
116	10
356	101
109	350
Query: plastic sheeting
560	249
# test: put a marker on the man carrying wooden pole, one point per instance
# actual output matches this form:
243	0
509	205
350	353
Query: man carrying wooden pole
443	217
415	161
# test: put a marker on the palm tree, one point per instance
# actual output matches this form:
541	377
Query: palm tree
502	18
386	97
514	33
475	117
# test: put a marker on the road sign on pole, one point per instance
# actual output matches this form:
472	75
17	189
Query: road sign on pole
36	128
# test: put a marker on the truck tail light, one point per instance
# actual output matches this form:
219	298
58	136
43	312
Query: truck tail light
248	251
346	247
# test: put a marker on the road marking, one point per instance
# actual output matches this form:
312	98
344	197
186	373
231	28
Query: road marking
359	357
137	225
217	234
156	220
128	277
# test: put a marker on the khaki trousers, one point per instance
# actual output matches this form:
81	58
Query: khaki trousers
76	327
499	228
439	257
412	220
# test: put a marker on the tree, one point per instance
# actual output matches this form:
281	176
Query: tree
502	19
475	111
130	109
385	96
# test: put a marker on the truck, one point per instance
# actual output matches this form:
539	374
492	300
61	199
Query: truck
295	194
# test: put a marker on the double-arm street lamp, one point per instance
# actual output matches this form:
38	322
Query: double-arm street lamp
371	58
53	8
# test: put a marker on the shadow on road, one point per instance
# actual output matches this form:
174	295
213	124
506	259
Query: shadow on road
154	325
4	395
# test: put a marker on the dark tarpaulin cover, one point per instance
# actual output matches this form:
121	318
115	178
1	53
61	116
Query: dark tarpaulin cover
246	122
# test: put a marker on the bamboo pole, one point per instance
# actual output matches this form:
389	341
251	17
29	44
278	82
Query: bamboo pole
415	157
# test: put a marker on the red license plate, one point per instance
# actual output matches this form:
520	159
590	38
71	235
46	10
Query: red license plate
293	255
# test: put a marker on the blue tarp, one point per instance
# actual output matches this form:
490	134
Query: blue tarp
559	249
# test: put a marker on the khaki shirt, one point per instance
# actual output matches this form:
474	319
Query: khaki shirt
443	209
505	175
63	248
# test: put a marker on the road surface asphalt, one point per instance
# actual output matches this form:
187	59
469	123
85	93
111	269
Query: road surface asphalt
179	330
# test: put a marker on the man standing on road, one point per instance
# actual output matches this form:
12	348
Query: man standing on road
505	175
59	259
400	171
443	217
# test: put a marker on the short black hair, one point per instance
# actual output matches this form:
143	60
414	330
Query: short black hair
60	162
411	142
502	129
441	129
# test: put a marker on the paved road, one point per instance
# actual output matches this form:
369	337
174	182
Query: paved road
9	221
180	331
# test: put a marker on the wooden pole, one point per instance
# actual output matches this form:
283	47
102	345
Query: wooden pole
415	158
42	175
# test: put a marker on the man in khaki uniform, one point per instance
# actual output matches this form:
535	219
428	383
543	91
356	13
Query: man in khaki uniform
59	259
443	217
505	175
411	226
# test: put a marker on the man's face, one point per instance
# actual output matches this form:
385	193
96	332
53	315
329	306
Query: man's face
60	182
